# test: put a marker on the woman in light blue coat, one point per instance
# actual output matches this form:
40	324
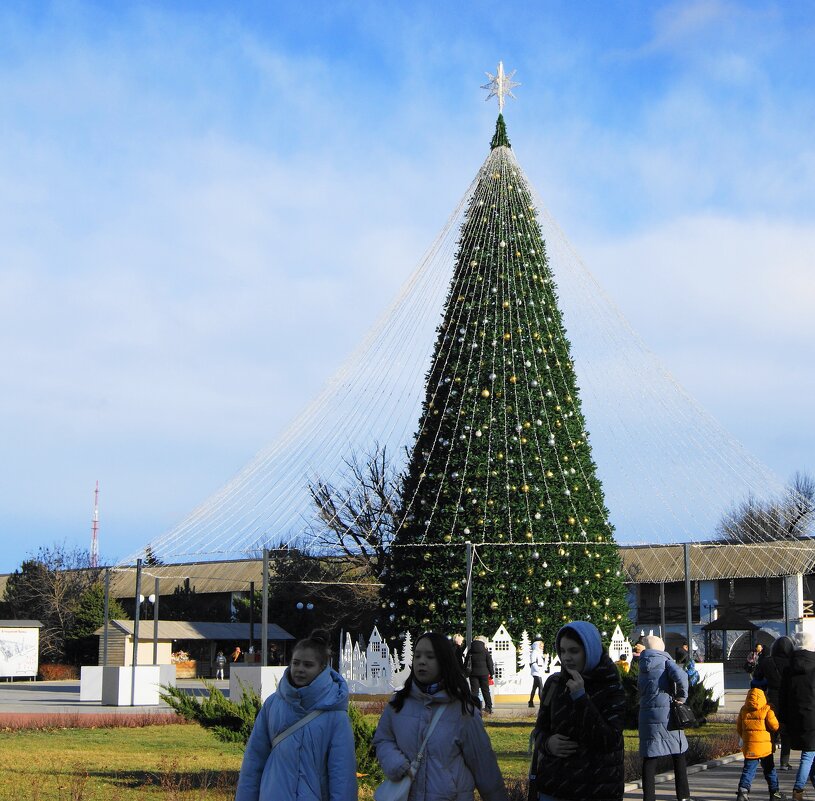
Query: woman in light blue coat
458	757
660	681
316	762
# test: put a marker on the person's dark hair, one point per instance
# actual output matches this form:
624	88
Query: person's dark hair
317	641
452	674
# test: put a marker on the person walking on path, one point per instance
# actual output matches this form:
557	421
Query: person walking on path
459	648
480	668
661	682
752	658
537	666
797	707
458	756
220	664
578	737
302	745
770	672
756	726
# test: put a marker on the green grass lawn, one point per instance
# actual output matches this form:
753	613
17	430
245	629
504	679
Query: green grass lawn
178	762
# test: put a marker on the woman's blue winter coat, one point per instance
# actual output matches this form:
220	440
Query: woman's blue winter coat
660	680
317	762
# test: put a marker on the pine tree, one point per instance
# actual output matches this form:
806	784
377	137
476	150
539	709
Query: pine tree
502	455
524	651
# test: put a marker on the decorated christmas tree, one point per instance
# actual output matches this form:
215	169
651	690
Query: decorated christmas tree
502	456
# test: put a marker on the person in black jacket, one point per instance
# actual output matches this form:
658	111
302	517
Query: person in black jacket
797	700
479	667
578	735
770	671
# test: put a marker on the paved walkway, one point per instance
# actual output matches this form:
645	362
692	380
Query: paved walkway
59	697
718	782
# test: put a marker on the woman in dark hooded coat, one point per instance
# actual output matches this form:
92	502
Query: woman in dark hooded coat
797	700
770	669
479	667
579	732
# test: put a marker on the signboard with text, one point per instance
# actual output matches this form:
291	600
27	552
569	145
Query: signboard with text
19	651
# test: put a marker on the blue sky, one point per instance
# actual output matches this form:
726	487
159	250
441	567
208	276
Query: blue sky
204	206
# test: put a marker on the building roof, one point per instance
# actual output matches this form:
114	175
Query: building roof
718	560
20	624
730	620
641	564
183	630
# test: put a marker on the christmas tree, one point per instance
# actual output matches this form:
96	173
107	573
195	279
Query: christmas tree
502	456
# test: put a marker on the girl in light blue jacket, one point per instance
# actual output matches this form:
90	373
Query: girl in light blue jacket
317	761
458	757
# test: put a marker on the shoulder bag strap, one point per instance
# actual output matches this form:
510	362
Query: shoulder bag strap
439	712
295	726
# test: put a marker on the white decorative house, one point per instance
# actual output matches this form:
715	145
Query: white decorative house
620	645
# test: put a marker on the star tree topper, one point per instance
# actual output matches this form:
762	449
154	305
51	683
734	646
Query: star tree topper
500	85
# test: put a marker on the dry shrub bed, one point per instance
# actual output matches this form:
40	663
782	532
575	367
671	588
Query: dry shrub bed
43	721
58	672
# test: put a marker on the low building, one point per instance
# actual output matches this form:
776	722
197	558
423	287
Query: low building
191	646
770	584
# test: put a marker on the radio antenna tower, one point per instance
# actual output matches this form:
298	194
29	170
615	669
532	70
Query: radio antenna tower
95	528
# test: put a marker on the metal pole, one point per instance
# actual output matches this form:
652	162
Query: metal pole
786	608
155	624
264	635
688	604
662	609
135	635
107	618
468	554
251	614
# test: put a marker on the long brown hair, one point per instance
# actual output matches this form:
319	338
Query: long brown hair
452	675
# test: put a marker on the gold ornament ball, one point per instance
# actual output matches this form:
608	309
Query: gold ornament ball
455	585
411	602
493	604
485	393
432	607
505	304
572	521
513	379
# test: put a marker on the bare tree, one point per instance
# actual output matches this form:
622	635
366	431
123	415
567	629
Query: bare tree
357	519
48	588
790	517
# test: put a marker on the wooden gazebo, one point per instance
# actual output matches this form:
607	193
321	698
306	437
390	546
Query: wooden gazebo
728	620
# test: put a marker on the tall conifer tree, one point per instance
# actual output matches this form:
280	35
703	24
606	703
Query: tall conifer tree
502	455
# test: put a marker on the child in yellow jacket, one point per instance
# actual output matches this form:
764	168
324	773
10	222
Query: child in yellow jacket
756	726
